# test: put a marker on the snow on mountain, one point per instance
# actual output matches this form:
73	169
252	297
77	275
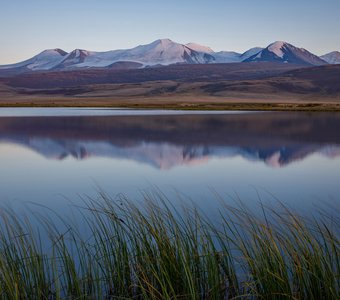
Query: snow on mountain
277	48
250	53
200	48
45	60
227	57
286	53
159	52
332	57
234	57
78	57
164	52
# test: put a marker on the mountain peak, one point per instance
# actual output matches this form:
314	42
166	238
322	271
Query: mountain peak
77	56
332	57
199	48
251	52
166	52
80	51
283	52
80	54
278	43
164	42
54	51
160	43
60	51
276	48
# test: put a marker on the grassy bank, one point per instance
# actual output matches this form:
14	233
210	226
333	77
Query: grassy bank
173	105
157	251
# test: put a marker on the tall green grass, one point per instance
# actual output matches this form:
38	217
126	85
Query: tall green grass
153	250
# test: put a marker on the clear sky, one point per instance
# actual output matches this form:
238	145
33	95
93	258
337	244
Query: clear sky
29	26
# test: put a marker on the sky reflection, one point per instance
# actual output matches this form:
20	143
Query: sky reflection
292	157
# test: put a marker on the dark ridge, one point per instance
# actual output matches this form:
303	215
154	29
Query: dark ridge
326	77
180	72
125	65
61	52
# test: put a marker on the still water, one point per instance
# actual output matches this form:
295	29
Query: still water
53	157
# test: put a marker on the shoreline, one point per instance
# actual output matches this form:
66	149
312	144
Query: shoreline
235	106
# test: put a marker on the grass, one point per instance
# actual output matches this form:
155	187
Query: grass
153	250
184	105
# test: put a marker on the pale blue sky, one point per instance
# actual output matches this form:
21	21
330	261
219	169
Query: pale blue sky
28	27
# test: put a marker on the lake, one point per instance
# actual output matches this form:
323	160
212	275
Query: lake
54	157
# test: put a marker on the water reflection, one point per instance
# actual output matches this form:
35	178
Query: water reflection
164	142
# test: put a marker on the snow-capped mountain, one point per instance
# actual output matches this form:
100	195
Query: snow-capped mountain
80	58
45	60
250	53
234	57
159	52
164	52
76	57
286	53
200	48
221	56
224	57
332	57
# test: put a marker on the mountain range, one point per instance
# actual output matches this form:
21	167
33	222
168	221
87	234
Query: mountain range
164	52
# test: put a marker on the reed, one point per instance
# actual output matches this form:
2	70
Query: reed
154	250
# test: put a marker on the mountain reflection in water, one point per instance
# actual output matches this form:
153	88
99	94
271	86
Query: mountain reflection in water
277	139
